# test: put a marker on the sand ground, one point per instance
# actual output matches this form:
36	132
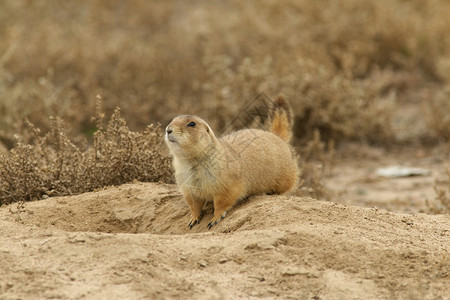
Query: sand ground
132	242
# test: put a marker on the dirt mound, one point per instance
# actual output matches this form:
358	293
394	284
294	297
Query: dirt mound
133	241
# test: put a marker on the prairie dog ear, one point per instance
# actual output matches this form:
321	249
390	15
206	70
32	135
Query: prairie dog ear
208	129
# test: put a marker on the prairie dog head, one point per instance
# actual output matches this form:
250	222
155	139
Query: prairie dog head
189	136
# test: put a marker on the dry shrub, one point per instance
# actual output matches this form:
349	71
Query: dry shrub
338	107
161	58
317	160
53	165
341	109
441	204
438	115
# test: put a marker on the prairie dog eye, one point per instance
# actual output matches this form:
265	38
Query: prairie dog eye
192	124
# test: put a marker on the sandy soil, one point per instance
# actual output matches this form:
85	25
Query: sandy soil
353	181
132	242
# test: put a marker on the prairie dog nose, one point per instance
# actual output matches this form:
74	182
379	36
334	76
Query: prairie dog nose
168	130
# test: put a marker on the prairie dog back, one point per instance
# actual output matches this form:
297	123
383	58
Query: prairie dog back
268	164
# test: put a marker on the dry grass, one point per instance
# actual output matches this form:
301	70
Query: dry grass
53	165
439	116
348	67
317	161
441	204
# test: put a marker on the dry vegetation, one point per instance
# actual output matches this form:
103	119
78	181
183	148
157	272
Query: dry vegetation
53	165
441	204
350	69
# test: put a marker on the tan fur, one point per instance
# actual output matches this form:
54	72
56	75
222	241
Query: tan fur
244	163
281	117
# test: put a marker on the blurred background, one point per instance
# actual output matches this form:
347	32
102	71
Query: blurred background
372	71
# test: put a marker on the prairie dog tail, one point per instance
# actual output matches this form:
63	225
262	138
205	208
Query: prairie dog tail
281	118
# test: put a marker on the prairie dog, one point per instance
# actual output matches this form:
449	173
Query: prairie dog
243	163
